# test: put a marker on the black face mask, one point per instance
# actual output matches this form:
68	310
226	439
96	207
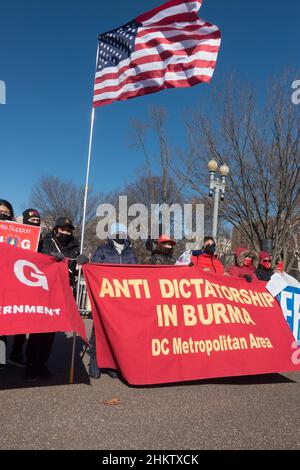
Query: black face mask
210	249
64	239
164	250
5	217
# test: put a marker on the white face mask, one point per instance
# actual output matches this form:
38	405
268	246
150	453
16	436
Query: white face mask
119	241
119	247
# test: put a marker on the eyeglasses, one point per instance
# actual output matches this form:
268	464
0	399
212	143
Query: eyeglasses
267	260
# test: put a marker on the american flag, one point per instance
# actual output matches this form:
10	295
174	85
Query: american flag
167	47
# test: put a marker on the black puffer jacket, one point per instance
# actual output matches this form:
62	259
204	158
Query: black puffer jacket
50	245
108	254
264	274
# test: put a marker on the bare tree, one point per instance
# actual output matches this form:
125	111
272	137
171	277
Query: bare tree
170	186
163	157
261	146
157	182
55	198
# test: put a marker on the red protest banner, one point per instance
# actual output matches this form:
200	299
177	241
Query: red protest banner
20	235
168	324
35	296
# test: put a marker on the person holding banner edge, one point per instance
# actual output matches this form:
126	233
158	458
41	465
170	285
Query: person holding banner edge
164	252
117	250
245	264
16	357
264	272
60	244
38	344
30	217
6	214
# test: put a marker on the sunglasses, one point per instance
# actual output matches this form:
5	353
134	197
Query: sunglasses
267	260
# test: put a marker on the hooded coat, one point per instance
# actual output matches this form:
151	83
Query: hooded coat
238	269
50	245
262	273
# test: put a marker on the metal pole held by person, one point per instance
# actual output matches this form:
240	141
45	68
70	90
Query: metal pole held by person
71	374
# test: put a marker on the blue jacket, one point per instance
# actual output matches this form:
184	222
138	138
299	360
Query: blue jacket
108	254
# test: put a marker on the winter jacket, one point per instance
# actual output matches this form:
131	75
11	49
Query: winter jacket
50	245
264	274
204	261
238	269
162	258
108	254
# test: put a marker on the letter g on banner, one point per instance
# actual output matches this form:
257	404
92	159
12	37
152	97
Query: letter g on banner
40	278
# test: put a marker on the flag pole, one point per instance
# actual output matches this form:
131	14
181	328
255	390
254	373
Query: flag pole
71	373
71	376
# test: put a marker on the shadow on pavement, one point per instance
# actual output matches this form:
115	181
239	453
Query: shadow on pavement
59	365
264	379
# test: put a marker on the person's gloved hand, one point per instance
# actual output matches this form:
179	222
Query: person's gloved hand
248	278
58	256
82	259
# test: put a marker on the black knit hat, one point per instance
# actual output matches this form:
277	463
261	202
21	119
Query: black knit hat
30	213
64	221
208	238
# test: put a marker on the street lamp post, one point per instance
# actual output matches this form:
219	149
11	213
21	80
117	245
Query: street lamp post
217	189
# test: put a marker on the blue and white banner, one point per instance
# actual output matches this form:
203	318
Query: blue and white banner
289	300
287	291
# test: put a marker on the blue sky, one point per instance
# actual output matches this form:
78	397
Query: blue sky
47	60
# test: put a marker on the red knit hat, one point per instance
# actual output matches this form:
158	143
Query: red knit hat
166	239
263	255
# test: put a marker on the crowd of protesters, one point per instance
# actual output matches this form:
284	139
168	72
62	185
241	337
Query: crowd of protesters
61	244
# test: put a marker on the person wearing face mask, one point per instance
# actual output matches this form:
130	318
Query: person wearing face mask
264	272
39	344
164	252
117	250
206	258
244	266
61	244
6	210
6	214
30	217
